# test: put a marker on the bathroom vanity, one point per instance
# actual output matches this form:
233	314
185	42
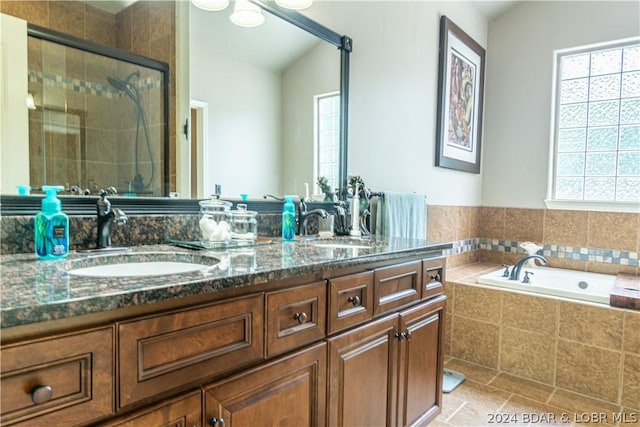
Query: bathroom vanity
336	333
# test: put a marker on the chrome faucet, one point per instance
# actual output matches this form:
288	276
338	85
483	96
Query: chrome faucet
304	216
106	216
517	267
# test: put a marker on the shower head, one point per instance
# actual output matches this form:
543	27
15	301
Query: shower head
122	84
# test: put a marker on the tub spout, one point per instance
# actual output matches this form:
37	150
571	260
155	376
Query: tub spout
517	267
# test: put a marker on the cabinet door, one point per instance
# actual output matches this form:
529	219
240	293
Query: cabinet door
397	286
363	375
350	300
184	411
295	317
290	391
161	352
420	363
433	277
65	380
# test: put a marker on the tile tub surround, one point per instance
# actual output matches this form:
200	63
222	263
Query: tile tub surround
576	347
609	239
37	291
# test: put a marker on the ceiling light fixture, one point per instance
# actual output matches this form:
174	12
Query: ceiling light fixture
294	4
211	5
247	14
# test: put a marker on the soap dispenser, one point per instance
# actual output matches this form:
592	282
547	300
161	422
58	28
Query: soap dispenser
288	220
51	226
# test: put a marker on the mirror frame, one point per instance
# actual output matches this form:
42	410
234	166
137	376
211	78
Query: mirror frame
13	205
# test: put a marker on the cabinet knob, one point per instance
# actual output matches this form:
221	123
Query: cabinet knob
355	300
41	394
300	317
435	277
214	421
407	335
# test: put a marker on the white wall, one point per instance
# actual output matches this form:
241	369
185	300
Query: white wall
317	72
244	131
518	89
392	104
14	116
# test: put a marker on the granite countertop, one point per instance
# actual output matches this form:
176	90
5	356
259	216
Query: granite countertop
35	291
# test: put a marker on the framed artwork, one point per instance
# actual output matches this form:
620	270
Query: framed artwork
460	95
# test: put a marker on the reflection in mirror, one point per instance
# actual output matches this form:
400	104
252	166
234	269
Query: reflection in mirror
269	97
98	121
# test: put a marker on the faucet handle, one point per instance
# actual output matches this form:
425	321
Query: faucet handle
526	278
506	270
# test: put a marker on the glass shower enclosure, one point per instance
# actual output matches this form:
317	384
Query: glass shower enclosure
99	118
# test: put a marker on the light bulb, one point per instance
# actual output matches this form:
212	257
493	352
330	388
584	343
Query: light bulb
247	14
294	4
211	5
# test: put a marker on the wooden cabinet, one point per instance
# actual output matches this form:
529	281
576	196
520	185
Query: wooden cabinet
184	411
290	391
396	286
350	300
164	351
295	317
63	380
356	349
389	371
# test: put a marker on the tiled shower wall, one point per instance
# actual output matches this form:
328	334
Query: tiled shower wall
602	242
140	28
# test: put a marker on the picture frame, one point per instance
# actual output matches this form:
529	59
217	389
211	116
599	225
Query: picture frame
460	99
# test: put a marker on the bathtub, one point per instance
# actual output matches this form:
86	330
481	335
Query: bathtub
573	284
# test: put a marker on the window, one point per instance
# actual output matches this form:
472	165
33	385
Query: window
597	124
327	139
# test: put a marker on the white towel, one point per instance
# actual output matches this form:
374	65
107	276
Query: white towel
402	215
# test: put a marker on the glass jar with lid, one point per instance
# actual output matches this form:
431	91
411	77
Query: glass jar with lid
244	224
215	222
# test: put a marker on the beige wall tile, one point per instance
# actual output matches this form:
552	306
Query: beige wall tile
632	332
491	257
565	227
606	268
448	327
591	325
479	303
536	314
569	264
527	354
523	224
474	221
608	230
449	290
491	222
442	223
588	370
464	222
35	12
475	341
631	381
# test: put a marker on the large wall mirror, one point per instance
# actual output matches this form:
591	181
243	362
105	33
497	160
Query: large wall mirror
255	130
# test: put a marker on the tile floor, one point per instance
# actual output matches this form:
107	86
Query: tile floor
492	398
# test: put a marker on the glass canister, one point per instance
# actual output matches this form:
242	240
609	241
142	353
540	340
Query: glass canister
215	222
244	224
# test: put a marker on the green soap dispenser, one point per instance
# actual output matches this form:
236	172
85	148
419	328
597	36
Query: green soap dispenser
51	226
288	220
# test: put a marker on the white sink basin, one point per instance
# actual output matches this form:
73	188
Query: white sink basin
139	264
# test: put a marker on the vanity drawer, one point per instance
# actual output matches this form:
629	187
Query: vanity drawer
296	317
165	351
70	377
433	276
396	286
350	300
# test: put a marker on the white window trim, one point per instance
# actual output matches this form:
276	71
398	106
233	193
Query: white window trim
581	205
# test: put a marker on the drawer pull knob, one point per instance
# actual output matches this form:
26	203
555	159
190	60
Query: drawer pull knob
435	277
41	394
216	422
354	300
300	317
407	335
